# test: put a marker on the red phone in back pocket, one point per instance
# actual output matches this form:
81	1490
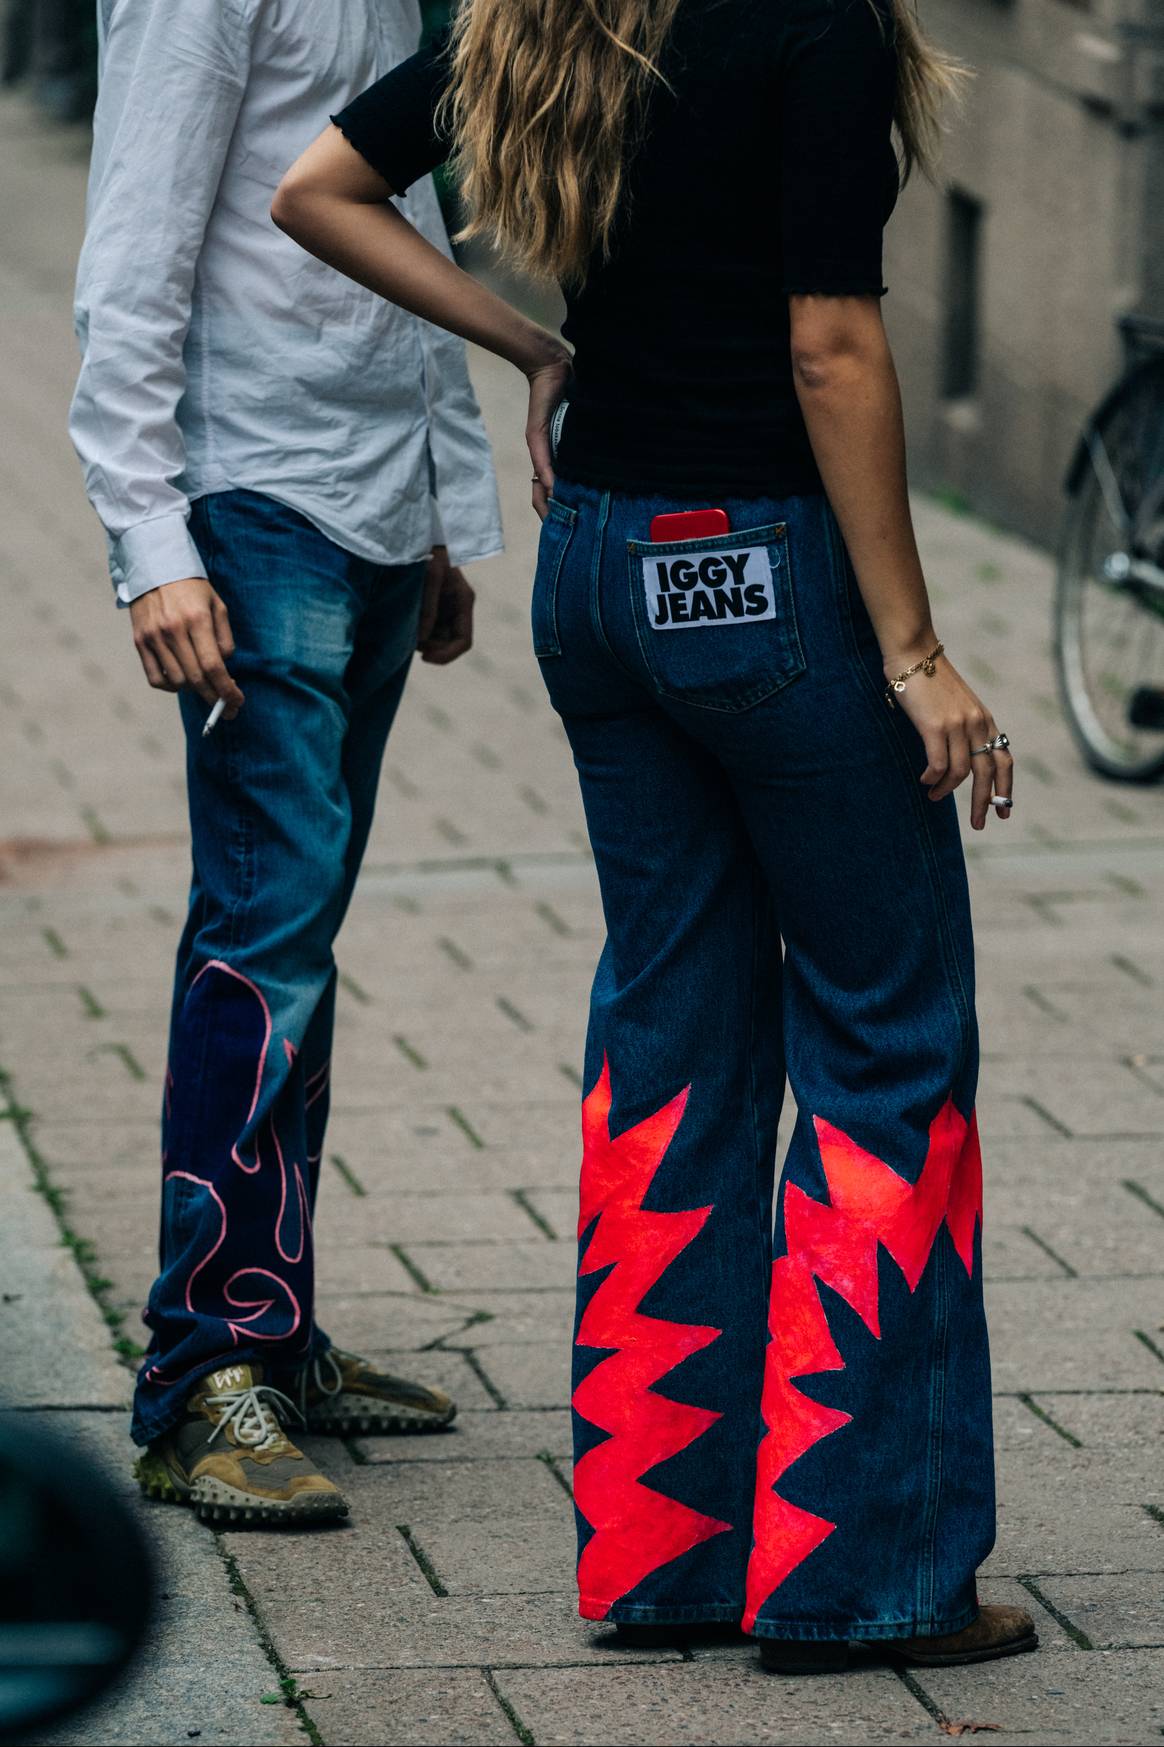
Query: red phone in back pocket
689	525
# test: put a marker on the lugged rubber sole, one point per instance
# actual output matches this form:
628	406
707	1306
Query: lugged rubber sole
213	1501
322	1424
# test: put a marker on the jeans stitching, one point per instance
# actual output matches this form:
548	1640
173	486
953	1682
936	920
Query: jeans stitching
927	1575
762	689
955	983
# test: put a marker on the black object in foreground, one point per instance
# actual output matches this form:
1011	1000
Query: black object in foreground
76	1580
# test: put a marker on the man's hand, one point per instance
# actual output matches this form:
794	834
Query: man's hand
182	633
446	613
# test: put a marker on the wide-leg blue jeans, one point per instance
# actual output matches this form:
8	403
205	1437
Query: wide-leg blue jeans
797	1437
281	803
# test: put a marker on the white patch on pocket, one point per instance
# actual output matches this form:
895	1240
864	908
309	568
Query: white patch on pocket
726	587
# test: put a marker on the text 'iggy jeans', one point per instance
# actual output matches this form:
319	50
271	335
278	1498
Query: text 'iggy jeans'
801	1444
281	803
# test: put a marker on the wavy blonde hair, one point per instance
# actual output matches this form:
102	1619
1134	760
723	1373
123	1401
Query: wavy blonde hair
545	109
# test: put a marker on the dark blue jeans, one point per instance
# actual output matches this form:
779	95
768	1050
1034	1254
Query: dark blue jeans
801	1444
281	803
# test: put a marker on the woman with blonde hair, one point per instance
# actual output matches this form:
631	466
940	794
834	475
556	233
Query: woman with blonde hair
732	622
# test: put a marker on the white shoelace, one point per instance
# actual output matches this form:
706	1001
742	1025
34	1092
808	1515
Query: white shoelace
254	1414
314	1373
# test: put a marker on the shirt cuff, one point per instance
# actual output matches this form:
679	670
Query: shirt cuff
153	553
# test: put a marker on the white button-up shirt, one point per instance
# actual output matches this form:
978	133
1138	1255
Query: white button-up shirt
216	353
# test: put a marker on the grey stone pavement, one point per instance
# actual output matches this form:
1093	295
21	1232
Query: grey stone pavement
444	1613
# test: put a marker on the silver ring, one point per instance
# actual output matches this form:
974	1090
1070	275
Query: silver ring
1000	743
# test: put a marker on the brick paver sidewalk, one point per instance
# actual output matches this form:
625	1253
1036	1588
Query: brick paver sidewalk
444	1613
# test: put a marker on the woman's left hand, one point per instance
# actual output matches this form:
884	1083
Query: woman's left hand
547	387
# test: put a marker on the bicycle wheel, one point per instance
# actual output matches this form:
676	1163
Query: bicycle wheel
1109	608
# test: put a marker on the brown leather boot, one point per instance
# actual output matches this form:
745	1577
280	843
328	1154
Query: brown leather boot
998	1631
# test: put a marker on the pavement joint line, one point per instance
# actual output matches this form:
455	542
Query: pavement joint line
125	1056
288	1686
457	1116
424	1284
429	1570
482	1376
355	990
1069	1272
1131	969
522	1200
1136	1067
450	832
1141	1194
1147	1341
514	1014
1036	997
90	1004
474	1320
550	1461
508	1711
402	784
1041	1111
1048	1419
551	918
1078	1637
83	1252
458	955
570	1072
410	1052
348	1175
915	1688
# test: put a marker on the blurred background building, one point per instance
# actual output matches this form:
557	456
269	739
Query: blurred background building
1008	281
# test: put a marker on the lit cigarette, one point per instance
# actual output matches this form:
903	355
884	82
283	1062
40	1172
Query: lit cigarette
214	717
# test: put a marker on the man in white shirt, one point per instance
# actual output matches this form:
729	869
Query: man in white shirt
289	471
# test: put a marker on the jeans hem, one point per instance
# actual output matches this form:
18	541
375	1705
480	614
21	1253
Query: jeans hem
601	1613
870	1631
148	1426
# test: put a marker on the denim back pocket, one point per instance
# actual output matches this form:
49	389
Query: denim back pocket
716	618
557	532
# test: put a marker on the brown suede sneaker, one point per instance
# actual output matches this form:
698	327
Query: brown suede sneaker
231	1460
998	1631
341	1394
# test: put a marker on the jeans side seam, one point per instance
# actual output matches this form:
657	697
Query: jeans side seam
927	1574
759	896
596	622
955	983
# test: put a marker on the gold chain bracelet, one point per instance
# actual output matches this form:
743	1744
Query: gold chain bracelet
925	665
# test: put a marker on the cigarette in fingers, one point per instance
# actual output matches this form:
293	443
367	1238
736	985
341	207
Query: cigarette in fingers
214	717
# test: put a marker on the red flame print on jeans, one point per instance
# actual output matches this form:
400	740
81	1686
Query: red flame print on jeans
837	1242
636	1529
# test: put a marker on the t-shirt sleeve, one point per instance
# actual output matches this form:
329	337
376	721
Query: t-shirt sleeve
393	124
838	178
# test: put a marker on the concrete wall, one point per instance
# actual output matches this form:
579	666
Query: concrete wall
1062	143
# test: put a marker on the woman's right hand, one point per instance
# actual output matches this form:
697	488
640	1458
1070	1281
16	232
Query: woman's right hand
953	723
547	386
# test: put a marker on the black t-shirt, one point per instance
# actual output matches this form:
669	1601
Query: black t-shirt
765	169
